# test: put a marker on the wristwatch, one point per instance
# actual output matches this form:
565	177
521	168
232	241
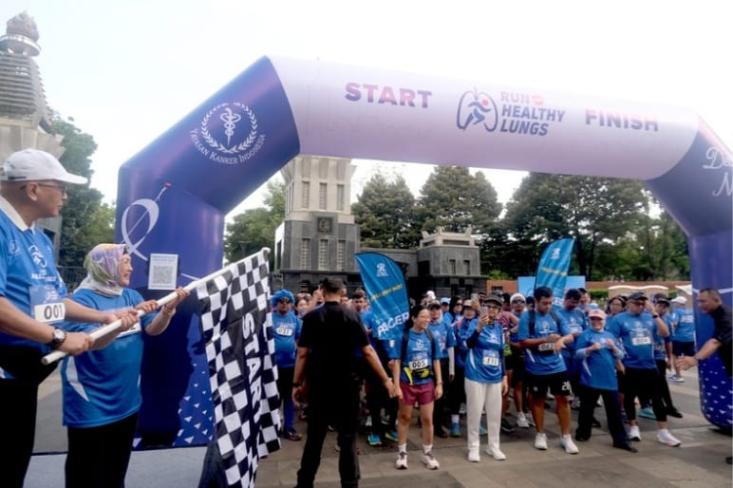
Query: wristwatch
59	336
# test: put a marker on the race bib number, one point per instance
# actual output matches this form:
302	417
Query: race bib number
284	331
46	304
419	363
490	359
546	347
641	341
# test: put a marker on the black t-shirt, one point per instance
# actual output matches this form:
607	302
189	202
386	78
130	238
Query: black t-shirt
332	333
722	333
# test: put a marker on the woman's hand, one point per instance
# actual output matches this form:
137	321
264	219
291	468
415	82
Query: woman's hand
169	309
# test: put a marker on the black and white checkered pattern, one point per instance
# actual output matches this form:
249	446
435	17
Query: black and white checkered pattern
237	330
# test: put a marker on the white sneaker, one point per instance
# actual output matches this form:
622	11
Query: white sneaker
664	436
401	461
633	433
540	441
522	421
473	455
567	442
429	461
496	453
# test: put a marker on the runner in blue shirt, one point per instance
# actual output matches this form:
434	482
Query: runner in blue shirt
575	319
598	355
444	334
638	329
286	328
486	380
543	335
417	369
33	300
517	372
101	390
683	334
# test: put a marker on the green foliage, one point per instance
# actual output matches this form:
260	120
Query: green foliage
385	212
255	228
453	199
86	222
592	210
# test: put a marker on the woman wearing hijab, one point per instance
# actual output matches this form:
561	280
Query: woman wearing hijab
101	388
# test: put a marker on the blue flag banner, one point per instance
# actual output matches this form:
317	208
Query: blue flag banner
385	287
552	271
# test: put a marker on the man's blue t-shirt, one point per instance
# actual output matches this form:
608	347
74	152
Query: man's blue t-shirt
485	361
542	360
286	329
685	330
444	337
576	322
639	335
28	275
598	368
416	367
101	387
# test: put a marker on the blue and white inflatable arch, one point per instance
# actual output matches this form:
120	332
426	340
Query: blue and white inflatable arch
174	194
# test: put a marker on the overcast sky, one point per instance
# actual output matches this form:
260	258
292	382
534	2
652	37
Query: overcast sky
128	70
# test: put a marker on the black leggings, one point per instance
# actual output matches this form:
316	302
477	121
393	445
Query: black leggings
457	391
641	382
439	407
98	456
588	399
663	387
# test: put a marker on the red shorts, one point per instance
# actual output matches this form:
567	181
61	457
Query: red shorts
420	394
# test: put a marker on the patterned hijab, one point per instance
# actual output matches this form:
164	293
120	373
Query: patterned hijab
103	269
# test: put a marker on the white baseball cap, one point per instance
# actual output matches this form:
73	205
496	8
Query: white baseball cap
680	300
517	296
35	165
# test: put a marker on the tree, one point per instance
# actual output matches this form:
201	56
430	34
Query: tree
453	199
385	213
86	222
595	211
255	228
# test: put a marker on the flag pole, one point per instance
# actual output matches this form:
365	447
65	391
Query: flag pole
117	324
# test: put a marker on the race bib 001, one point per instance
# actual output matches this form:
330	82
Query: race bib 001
46	304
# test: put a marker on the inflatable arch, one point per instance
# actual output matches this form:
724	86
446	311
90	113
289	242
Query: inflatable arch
174	194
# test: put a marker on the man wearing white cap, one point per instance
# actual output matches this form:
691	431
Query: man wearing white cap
32	300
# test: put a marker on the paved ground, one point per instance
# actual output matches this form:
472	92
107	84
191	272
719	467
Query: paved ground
698	463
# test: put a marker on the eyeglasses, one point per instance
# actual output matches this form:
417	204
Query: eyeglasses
61	188
595	318
518	301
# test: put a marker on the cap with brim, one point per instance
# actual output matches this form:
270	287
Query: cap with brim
35	165
680	300
433	304
445	301
638	296
494	299
662	299
468	303
597	312
517	296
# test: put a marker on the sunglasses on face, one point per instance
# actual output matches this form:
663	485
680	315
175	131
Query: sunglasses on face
596	319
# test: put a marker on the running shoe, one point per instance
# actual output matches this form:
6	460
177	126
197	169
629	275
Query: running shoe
292	435
647	413
401	461
633	433
374	440
455	430
664	436
540	441
567	442
522	421
506	427
429	460
496	453
391	435
473	455
673	412
677	379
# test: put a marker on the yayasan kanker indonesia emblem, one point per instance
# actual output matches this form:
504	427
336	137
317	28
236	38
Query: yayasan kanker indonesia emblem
228	134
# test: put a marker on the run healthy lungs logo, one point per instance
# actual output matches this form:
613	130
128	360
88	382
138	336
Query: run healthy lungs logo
228	134
511	113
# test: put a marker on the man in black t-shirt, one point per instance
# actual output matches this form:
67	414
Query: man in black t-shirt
327	374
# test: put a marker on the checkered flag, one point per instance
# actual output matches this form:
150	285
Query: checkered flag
237	330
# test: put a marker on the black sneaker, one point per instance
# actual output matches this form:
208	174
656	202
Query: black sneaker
506	427
626	447
673	412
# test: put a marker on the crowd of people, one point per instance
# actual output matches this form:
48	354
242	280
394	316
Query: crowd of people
477	355
456	355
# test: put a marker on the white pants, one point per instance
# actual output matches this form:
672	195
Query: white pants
478	396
